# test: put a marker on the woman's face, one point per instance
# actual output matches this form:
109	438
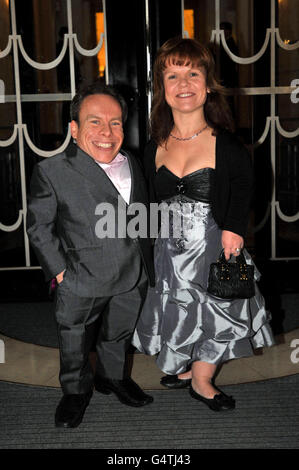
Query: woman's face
185	87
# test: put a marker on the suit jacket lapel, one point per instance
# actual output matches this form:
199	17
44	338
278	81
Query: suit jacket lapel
89	169
138	184
131	162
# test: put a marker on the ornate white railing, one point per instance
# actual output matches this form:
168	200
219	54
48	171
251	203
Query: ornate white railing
272	125
20	132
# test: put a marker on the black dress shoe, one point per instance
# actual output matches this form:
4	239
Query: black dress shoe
220	402
126	390
172	381
71	409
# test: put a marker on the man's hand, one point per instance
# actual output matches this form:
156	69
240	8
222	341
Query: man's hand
59	277
231	243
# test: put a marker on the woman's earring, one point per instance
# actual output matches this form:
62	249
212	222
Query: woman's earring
75	141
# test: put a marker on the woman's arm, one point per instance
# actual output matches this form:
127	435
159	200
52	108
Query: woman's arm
241	186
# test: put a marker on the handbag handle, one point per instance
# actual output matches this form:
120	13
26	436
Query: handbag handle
240	259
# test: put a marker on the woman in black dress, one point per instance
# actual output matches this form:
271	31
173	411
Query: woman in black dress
202	173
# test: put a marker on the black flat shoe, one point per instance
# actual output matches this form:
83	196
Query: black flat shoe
220	402
126	390
172	381
71	409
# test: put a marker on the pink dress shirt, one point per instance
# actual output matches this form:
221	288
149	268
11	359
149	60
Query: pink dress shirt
118	171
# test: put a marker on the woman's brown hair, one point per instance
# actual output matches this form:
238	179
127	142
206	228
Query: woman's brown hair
179	51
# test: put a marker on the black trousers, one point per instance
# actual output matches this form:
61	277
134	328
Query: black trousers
108	322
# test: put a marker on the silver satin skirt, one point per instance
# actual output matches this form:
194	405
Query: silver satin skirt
180	322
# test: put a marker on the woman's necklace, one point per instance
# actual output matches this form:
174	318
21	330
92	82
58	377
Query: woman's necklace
192	136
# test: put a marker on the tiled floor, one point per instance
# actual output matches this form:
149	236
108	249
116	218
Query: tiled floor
36	365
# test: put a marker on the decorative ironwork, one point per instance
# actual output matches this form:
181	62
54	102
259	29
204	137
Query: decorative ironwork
272	125
20	132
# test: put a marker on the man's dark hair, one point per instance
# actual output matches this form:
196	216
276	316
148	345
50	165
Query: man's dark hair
97	88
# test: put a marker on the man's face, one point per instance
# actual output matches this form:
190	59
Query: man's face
100	131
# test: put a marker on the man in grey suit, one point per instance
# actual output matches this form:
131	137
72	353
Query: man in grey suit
102	282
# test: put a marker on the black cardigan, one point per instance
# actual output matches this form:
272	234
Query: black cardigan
233	182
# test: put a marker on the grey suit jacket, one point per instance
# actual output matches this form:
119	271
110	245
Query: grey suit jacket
61	221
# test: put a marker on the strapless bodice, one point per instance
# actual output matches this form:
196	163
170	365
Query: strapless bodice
196	185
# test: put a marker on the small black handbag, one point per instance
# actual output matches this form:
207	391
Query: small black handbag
231	280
